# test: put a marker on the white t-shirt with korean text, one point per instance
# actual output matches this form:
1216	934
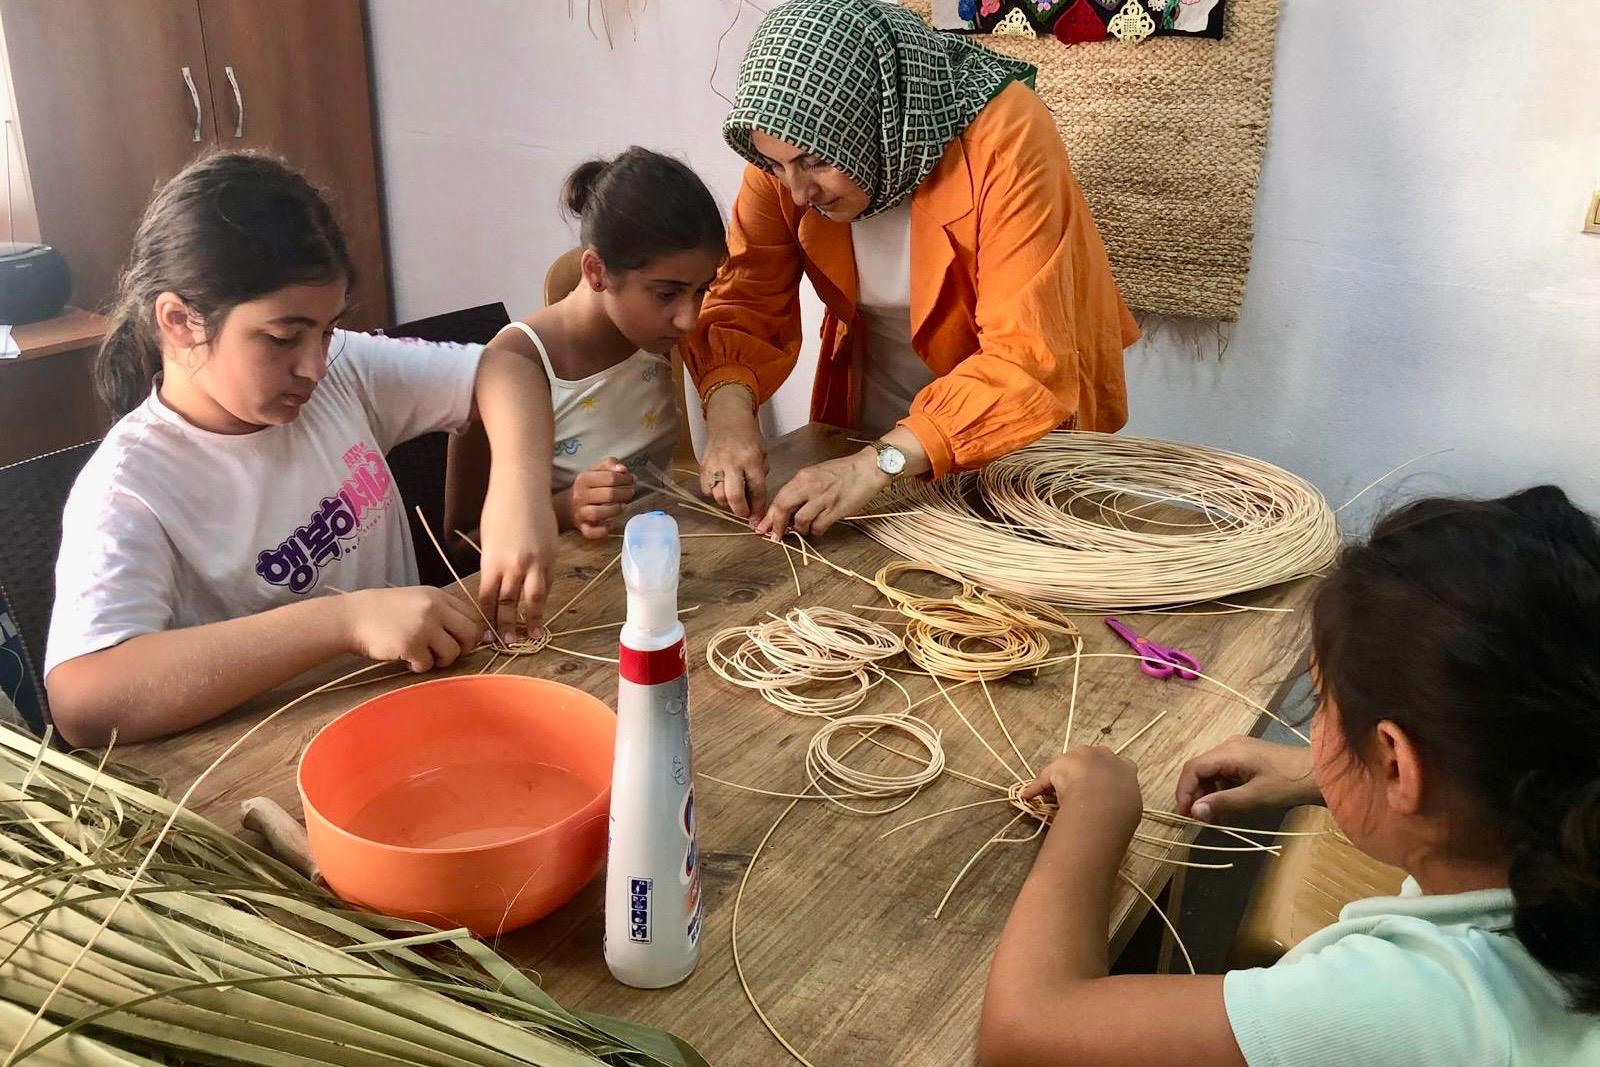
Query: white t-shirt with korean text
171	526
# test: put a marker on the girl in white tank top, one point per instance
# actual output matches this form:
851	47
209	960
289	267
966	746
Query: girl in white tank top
624	412
653	240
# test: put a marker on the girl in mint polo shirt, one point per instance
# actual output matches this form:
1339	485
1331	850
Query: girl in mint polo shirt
1457	736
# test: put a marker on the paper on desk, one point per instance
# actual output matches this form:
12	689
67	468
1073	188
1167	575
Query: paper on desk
8	344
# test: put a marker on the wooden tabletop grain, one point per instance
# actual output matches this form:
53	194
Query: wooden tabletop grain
836	930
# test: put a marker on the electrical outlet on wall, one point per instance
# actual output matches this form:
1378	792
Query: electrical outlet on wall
1591	221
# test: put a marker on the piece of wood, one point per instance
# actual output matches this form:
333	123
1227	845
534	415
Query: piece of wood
1305	887
105	116
253	839
49	403
1174	909
70	331
301	71
563	276
47	398
836	931
285	838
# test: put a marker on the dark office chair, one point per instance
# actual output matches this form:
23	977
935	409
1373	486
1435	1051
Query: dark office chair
32	494
420	465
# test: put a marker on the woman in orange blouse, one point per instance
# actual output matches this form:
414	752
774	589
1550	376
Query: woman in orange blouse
923	189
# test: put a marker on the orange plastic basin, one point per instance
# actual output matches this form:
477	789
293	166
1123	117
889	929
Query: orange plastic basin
479	801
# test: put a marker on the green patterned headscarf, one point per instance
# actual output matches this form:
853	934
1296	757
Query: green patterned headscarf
867	86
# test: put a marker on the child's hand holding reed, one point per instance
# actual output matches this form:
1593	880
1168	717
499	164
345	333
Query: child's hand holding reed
1246	774
1096	792
598	495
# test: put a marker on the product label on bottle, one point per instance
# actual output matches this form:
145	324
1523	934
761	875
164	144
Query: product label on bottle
654	667
693	905
639	910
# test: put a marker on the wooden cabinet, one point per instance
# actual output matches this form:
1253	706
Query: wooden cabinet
113	97
105	113
305	98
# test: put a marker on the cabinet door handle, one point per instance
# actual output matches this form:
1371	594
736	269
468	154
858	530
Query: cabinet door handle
238	103
194	98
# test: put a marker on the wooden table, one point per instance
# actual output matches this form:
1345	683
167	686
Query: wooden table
836	933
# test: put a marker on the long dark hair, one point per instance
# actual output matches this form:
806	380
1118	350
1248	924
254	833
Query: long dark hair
228	228
1475	627
642	205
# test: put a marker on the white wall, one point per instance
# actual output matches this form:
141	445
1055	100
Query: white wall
19	220
1419	281
484	106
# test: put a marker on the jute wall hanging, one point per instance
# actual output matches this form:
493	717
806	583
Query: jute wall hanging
1166	137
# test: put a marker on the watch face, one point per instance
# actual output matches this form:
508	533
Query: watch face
891	460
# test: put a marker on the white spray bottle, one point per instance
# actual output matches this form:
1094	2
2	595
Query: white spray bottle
653	906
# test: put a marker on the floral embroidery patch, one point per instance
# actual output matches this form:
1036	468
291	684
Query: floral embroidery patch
1132	23
1085	21
1015	24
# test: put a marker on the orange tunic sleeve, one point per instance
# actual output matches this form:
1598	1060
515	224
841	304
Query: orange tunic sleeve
1051	326
749	326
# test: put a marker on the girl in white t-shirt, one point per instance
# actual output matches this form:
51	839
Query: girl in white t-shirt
1457	737
653	241
245	477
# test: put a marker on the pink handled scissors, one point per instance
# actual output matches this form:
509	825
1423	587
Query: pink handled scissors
1158	661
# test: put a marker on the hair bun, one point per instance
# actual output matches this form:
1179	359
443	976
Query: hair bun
640	205
578	189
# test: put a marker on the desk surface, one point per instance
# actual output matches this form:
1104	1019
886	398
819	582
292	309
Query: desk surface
73	329
836	931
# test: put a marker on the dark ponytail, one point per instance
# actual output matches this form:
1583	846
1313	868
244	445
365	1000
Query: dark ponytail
640	206
129	359
1475	627
229	228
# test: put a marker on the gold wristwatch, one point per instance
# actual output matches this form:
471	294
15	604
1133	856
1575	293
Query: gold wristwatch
891	460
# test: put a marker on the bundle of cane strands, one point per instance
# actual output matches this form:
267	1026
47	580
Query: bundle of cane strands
973	634
789	659
1103	522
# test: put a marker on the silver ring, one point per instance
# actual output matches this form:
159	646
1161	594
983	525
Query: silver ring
716	480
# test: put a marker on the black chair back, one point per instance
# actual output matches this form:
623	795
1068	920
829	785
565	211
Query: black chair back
419	465
32	495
